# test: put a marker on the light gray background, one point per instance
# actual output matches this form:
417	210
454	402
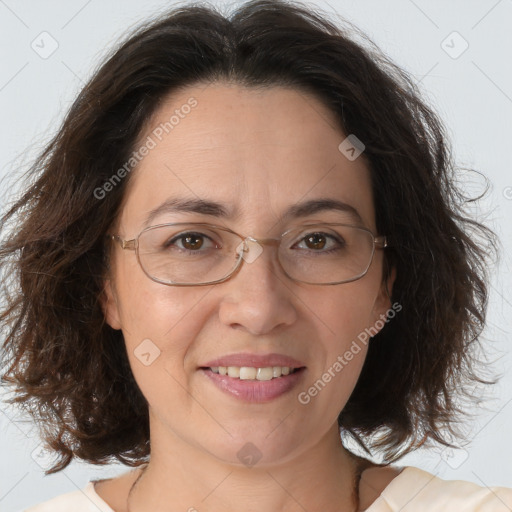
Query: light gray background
472	93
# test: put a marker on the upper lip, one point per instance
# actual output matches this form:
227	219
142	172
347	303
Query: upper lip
254	360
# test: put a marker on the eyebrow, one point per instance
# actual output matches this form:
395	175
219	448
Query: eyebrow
219	210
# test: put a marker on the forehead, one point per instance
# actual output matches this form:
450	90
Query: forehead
257	151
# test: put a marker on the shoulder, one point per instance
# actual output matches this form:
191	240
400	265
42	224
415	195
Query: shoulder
374	480
417	490
82	500
107	495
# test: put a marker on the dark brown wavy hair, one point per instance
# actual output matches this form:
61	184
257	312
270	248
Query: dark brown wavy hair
69	370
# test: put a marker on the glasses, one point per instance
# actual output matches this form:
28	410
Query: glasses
195	254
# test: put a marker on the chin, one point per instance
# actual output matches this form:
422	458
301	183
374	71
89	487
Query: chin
256	449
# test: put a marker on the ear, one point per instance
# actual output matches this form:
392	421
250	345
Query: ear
382	302
109	305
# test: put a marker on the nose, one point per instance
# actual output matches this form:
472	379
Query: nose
258	297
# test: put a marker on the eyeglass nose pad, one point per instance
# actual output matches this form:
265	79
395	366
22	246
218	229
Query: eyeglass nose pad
249	249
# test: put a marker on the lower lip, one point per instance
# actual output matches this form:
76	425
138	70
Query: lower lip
255	391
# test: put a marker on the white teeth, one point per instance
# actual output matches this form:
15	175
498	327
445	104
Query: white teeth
251	373
247	373
234	371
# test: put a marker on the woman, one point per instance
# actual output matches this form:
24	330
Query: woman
243	248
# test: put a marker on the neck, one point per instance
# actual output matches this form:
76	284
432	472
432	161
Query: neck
324	477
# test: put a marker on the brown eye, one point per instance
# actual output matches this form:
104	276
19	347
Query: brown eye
321	243
315	241
192	242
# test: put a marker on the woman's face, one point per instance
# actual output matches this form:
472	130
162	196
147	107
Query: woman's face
259	153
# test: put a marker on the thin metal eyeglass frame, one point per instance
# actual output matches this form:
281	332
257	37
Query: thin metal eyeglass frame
379	242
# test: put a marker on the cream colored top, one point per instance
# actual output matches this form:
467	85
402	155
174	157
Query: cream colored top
413	490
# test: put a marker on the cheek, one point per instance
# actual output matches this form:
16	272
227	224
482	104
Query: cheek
146	308
160	313
345	311
160	325
154	316
343	315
